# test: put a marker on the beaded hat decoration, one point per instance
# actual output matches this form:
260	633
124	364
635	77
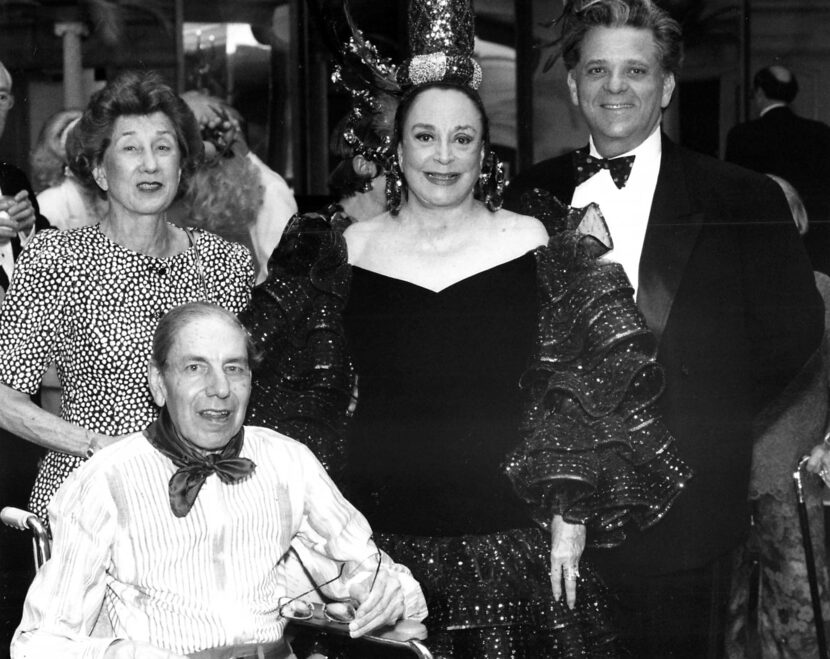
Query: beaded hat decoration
371	81
441	43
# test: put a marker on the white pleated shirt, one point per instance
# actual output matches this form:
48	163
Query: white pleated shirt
212	578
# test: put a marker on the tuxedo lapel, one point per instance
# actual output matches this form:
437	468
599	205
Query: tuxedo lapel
673	227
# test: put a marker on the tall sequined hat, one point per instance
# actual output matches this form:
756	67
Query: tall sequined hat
441	42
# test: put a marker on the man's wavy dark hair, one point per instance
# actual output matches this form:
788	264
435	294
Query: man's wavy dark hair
581	16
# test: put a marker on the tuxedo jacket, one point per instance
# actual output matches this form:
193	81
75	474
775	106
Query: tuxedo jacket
12	181
798	150
726	287
18	458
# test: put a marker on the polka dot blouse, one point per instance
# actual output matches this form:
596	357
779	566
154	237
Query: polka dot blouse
90	306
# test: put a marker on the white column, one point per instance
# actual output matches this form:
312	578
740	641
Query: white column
74	94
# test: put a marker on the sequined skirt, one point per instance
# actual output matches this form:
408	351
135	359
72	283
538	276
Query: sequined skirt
490	596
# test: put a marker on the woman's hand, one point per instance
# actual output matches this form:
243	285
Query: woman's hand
567	545
97	441
381	605
819	462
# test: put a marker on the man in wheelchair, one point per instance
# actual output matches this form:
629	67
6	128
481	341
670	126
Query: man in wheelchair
174	539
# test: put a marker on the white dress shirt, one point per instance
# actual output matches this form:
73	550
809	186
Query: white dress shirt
6	254
772	106
212	578
626	209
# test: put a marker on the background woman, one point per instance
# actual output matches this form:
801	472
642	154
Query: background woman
440	308
89	299
62	198
233	193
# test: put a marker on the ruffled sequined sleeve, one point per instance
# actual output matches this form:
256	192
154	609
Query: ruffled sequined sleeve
594	447
303	385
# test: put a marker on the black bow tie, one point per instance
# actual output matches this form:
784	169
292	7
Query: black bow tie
585	166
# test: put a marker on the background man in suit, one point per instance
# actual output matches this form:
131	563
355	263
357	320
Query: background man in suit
18	206
19	219
796	149
725	285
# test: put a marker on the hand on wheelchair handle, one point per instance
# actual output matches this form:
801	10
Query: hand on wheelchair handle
819	462
124	649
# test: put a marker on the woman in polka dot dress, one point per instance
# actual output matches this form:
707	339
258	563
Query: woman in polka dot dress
89	299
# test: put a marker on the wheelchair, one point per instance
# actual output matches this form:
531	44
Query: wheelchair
404	639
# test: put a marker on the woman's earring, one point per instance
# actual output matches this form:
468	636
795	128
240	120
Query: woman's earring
394	186
366	186
491	182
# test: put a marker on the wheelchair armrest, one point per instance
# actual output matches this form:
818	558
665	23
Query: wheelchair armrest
405	634
23	520
17	518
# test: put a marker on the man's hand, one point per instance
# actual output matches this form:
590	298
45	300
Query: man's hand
382	605
819	462
17	215
567	545
138	650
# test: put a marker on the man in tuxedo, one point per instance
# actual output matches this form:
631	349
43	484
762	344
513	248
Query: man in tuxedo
796	149
19	215
725	286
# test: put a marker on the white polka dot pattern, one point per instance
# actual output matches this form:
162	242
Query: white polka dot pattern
91	306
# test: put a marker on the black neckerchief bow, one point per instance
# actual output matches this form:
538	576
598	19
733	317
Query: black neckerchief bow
195	466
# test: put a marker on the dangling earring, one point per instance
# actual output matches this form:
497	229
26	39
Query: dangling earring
394	186
367	185
491	182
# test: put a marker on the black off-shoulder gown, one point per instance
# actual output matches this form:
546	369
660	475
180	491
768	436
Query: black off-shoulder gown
525	390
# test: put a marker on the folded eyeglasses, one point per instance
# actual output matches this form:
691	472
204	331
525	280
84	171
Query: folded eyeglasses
335	610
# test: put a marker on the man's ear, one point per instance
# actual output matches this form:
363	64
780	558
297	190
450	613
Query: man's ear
364	168
668	90
156	380
573	88
100	177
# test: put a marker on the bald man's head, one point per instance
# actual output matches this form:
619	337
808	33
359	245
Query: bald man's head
777	83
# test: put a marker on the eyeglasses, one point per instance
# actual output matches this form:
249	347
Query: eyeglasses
339	611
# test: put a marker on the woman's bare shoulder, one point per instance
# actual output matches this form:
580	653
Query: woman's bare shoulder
522	228
359	235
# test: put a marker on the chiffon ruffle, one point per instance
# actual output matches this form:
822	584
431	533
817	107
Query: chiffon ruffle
595	449
303	381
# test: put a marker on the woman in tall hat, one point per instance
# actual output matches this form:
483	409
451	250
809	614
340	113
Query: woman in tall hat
504	381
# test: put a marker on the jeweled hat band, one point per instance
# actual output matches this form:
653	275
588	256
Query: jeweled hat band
441	42
440	67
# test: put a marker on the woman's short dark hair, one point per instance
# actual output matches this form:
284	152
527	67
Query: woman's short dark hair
179	317
583	15
131	93
413	93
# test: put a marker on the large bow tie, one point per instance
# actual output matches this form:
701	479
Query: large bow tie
194	468
585	166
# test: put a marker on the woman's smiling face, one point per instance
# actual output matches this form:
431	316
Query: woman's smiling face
441	148
140	169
